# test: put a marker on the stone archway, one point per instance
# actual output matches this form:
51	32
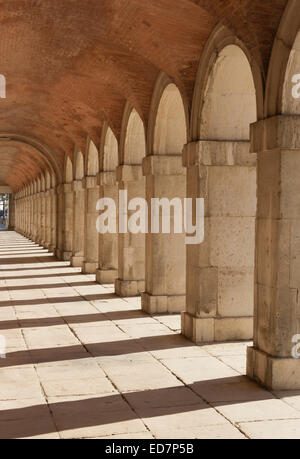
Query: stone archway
220	169
131	280
165	178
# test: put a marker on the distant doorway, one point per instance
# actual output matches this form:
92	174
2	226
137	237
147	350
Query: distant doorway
4	211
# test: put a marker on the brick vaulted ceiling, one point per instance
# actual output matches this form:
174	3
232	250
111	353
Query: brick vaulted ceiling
71	64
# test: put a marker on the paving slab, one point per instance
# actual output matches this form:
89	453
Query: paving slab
84	363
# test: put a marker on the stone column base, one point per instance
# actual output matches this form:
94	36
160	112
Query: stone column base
90	268
46	245
77	262
171	304
126	289
271	372
210	330
63	256
106	276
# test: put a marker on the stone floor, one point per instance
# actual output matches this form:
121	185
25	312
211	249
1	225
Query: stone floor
82	363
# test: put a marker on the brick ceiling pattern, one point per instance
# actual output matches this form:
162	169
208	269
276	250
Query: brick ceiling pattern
70	65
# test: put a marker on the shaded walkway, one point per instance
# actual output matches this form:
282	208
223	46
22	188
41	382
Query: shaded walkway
82	363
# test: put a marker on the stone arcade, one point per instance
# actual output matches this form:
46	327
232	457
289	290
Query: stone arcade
168	99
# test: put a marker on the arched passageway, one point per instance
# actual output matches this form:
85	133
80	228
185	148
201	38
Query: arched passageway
79	210
274	359
131	248
108	242
162	100
91	253
165	178
221	169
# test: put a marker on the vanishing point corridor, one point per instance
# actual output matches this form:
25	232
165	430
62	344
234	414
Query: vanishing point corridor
83	363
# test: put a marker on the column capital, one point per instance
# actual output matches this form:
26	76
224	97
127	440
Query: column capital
218	153
64	188
77	185
163	165
90	182
106	178
129	173
279	132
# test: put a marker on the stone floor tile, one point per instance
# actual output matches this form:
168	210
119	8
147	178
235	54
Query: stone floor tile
228	349
236	362
234	389
18	383
50	337
69	370
289	429
108	370
29	429
80	387
258	410
90	417
220	432
193	370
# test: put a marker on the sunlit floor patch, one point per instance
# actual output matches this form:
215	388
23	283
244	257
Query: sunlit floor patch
83	363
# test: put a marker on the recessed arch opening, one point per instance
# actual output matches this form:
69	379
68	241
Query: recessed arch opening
224	174
79	165
110	152
291	86
68	170
229	105
92	159
135	143
170	133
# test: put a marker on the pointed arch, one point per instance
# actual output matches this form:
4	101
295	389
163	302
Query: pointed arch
286	37
92	159
110	151
133	141
68	170
79	165
170	133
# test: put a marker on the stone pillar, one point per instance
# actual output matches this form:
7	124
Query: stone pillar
277	300
27	209
220	271
108	243
47	242
78	224
17	212
64	221
38	217
35	217
12	214
31	197
91	251
25	214
42	218
165	253
53	220
131	247
21	211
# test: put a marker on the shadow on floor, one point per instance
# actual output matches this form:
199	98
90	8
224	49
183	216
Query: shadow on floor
109	409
